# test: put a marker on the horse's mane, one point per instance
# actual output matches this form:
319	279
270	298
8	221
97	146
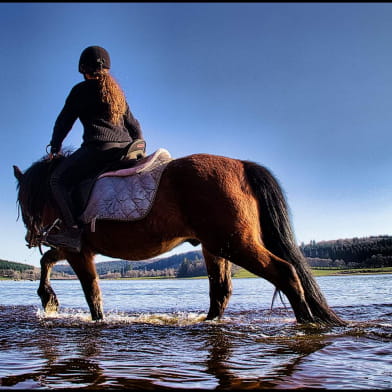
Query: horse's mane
34	190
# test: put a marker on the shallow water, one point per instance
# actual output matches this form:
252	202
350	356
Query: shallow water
155	336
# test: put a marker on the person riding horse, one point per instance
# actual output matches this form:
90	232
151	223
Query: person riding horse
109	128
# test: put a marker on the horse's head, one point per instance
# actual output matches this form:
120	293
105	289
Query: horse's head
34	199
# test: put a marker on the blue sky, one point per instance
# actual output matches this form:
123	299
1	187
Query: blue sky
301	88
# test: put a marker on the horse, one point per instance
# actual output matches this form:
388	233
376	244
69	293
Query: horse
235	209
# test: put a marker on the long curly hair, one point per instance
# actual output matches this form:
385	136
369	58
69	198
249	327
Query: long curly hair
111	94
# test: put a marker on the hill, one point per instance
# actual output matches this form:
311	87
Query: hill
366	252
105	267
12	265
166	266
14	270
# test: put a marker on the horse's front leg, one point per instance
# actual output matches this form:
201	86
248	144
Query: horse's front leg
45	291
219	275
84	267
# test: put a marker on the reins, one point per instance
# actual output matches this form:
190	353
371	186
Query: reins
30	203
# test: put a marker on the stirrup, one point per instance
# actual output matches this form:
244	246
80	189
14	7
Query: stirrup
62	240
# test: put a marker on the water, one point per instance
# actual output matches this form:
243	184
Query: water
155	337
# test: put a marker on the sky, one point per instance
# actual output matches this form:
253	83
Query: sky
304	89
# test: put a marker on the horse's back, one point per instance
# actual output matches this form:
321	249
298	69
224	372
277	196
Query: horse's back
206	168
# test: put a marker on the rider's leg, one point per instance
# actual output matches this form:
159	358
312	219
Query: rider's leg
84	162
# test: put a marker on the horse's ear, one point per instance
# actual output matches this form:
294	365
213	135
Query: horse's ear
17	173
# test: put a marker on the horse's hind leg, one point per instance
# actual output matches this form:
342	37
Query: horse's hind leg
219	275
45	291
258	260
84	267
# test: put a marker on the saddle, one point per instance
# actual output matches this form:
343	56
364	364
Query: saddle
81	192
126	193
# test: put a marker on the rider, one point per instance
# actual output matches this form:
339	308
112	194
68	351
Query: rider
109	128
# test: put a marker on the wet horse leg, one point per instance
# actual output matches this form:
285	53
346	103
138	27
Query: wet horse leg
84	267
45	291
258	260
219	275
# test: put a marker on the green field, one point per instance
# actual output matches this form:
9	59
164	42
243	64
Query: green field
327	272
242	273
338	271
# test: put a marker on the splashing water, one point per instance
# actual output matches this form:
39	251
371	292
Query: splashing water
155	336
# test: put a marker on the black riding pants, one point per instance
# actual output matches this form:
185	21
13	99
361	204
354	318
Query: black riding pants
85	162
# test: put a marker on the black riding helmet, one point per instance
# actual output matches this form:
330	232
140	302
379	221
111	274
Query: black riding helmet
93	59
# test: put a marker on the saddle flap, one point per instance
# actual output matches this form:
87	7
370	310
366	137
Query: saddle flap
82	191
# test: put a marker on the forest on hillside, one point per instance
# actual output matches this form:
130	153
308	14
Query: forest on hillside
14	270
163	267
366	252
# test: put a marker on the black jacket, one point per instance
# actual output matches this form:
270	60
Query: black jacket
83	102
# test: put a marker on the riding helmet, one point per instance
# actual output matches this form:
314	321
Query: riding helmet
93	59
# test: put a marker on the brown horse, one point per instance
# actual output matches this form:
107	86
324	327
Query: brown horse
235	209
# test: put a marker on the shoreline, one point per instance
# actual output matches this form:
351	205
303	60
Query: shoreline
331	272
243	274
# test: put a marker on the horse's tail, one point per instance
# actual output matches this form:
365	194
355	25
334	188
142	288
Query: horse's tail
279	238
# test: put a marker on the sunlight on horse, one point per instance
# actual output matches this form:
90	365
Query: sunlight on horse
235	209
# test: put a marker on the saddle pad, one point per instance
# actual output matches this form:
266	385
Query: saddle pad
126	194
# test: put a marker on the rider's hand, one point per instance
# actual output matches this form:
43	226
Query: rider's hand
53	152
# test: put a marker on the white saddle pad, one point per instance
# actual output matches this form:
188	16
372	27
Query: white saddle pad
126	194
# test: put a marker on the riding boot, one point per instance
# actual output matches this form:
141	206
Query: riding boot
70	239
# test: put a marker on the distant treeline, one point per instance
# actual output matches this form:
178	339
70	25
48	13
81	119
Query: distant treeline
13	270
180	265
366	252
191	268
4	264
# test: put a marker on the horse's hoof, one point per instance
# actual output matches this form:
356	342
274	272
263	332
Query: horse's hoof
51	308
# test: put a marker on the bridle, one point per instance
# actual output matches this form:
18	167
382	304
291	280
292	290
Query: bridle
36	233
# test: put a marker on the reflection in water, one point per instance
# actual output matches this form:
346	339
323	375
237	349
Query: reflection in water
264	361
248	349
46	346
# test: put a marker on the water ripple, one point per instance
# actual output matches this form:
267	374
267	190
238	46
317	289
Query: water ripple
174	348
